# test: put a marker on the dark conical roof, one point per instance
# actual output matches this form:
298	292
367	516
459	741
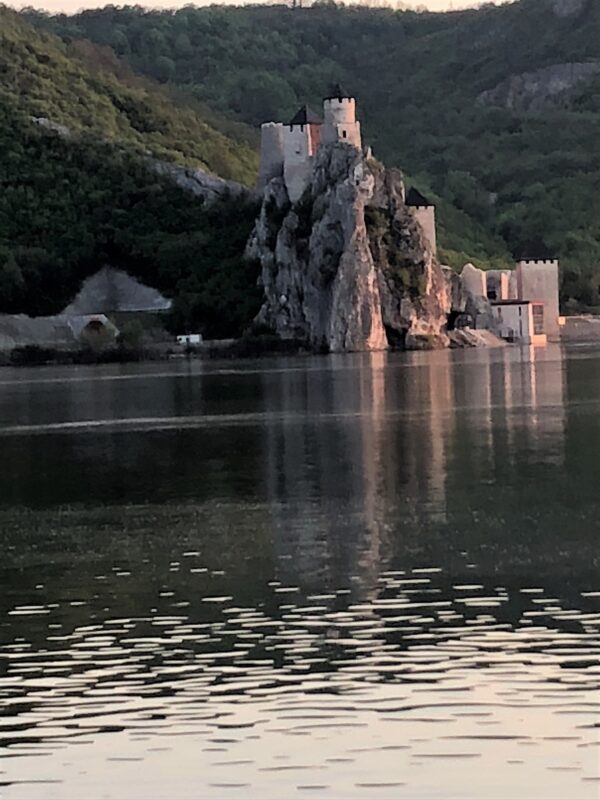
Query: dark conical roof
337	92
305	116
416	199
535	250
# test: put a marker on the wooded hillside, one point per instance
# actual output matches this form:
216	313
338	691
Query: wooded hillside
491	108
80	191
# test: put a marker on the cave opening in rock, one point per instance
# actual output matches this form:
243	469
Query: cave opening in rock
396	338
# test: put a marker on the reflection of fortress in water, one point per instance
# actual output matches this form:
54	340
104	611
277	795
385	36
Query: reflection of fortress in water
389	444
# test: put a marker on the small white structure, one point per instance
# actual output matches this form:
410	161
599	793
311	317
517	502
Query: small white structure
520	321
424	213
288	149
190	338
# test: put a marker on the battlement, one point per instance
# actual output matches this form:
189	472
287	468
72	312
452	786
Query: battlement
288	149
271	152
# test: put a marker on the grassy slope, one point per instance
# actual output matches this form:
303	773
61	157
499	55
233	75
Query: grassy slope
77	86
417	76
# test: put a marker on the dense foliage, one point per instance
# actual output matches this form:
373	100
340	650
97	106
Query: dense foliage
84	88
74	200
68	206
511	175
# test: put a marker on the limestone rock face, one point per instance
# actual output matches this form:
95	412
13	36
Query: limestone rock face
533	91
456	290
346	267
567	8
198	181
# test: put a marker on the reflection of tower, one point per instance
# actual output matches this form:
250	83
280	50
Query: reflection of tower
474	380
360	445
534	399
372	432
508	404
441	420
423	435
326	470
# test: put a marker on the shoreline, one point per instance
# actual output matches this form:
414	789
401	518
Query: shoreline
256	347
583	332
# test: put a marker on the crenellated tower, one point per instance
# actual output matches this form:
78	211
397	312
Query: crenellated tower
339	122
288	149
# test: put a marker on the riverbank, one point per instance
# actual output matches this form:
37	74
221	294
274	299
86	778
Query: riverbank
580	329
250	347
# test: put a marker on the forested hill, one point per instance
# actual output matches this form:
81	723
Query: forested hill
88	90
496	110
79	190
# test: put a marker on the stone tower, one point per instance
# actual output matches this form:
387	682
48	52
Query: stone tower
340	123
300	143
271	152
424	213
288	149
537	280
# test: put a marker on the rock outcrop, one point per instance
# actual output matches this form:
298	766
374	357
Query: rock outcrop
568	8
193	179
346	268
199	181
533	91
111	291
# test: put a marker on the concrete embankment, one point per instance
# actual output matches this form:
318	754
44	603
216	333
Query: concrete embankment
584	328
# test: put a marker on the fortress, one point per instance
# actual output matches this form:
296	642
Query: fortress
288	149
522	304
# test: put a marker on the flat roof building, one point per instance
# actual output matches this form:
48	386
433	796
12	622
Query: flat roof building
520	321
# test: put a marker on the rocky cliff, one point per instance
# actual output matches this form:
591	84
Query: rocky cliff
346	267
534	91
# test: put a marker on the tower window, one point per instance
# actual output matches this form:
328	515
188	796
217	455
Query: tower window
345	134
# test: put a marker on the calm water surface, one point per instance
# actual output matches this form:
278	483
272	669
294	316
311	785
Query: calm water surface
339	577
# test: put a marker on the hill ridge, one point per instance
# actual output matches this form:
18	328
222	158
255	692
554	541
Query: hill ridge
502	175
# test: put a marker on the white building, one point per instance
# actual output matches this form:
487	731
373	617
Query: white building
534	280
520	321
190	338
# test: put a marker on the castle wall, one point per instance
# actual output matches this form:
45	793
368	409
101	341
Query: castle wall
339	122
513	284
515	321
271	153
425	216
298	143
538	280
473	280
498	284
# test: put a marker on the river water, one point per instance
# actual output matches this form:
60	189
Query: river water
363	576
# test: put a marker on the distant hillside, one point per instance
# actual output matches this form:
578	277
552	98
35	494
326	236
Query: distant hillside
496	110
86	89
75	199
